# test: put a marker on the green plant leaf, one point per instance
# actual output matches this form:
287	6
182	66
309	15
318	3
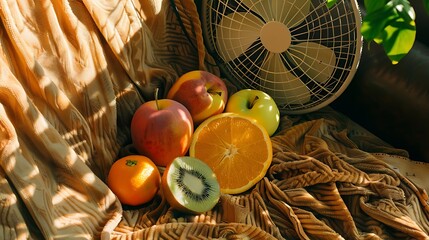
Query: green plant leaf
330	3
398	39
374	5
374	23
390	24
404	9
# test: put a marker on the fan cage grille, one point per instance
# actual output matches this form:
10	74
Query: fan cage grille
337	28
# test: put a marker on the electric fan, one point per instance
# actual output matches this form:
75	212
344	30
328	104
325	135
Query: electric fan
301	52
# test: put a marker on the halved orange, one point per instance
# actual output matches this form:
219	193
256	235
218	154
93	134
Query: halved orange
237	148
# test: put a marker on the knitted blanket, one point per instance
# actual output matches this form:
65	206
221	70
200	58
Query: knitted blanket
73	73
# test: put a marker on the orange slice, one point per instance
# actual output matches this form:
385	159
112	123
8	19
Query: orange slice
237	148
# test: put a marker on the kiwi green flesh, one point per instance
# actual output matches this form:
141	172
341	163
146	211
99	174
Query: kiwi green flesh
193	184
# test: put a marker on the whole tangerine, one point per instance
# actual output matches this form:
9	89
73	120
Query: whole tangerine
134	179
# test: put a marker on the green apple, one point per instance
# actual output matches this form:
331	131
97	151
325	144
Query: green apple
258	105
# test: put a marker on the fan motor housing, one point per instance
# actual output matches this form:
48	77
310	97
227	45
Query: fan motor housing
275	36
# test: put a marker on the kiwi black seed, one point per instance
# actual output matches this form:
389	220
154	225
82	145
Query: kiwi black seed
190	185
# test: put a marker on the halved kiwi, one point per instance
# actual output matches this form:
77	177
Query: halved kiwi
190	185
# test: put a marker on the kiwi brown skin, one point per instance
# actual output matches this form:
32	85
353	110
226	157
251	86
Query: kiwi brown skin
175	204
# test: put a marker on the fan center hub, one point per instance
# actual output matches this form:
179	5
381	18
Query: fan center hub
275	36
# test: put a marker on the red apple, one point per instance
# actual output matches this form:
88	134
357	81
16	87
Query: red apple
162	130
202	93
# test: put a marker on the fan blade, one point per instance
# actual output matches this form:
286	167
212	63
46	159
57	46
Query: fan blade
290	12
262	8
281	84
316	61
235	34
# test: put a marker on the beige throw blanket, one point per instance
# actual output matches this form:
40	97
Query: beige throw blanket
71	75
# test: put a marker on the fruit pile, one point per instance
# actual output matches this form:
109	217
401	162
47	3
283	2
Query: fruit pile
209	143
